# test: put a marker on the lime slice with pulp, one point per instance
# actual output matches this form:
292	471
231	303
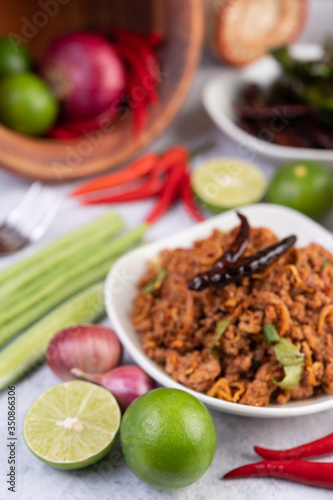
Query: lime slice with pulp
225	183
72	425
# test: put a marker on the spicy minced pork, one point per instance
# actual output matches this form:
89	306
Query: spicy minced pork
295	294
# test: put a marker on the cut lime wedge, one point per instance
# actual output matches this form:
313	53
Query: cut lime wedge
72	425
225	183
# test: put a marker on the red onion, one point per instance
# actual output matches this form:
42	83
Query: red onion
91	348
85	73
126	382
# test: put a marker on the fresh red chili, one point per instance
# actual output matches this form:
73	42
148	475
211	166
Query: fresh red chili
137	103
300	471
218	278
169	193
176	154
132	172
144	51
187	198
148	188
128	53
316	448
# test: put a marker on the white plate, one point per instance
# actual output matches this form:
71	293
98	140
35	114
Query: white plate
220	93
120	291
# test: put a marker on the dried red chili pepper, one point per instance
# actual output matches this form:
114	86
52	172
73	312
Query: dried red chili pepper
300	471
187	198
316	448
239	245
218	278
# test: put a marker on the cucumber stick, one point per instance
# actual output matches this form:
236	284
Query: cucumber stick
28	349
77	269
61	289
55	259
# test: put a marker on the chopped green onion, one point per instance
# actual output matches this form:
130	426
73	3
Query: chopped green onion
156	282
271	334
221	327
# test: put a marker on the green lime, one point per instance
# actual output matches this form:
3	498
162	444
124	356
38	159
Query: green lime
27	105
14	58
168	438
225	183
304	186
72	425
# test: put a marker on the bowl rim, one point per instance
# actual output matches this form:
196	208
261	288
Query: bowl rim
146	252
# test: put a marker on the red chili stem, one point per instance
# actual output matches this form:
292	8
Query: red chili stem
300	471
187	199
150	187
316	448
129	55
169	193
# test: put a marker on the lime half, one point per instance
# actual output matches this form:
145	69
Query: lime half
72	425
225	183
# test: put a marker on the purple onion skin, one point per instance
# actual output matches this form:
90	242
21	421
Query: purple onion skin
85	73
91	348
127	383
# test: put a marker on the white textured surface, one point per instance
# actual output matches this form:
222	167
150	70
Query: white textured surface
111	479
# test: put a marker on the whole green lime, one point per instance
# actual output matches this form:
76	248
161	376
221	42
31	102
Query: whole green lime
27	105
14	58
305	186
168	438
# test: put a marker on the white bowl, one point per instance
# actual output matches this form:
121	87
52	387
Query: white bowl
120	291
222	91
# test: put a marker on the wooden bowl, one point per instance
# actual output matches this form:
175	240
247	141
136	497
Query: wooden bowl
37	22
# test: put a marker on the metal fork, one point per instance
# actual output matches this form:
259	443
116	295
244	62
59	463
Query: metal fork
29	220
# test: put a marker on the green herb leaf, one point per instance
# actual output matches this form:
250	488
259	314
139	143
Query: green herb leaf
325	263
292	361
155	283
271	334
292	376
221	327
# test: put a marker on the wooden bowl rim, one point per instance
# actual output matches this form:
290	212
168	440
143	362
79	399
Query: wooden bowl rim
22	165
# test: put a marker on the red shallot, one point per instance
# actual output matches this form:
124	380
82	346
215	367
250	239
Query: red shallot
126	382
91	348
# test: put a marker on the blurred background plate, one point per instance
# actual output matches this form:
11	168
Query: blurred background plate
220	93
